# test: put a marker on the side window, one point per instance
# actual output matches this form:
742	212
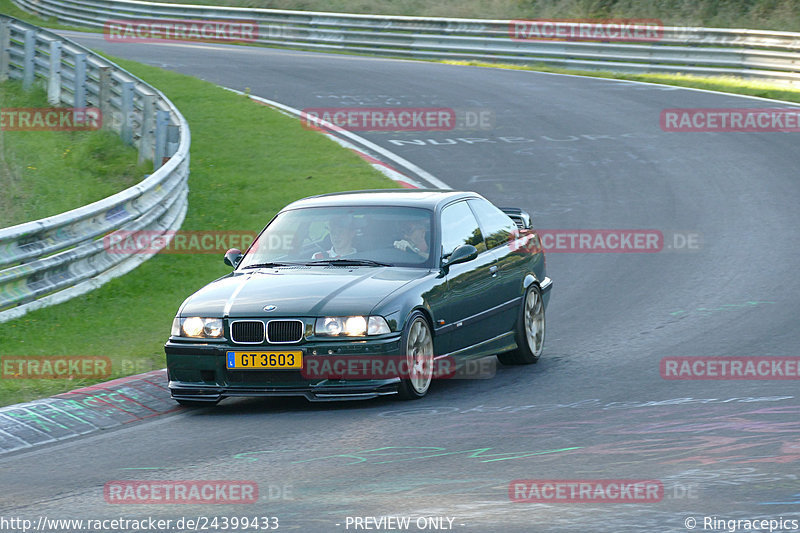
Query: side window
460	227
498	228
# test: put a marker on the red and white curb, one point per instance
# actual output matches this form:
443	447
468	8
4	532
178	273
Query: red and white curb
384	168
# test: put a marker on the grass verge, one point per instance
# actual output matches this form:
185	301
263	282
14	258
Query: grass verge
43	173
248	161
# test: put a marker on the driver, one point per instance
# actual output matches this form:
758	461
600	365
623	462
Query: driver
342	231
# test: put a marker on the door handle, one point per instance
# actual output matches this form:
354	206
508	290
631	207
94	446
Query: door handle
493	270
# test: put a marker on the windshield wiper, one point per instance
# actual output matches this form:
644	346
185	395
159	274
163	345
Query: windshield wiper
270	265
349	262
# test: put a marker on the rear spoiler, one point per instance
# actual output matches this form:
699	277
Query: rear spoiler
521	218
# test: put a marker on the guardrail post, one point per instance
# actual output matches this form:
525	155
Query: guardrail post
5	44
162	121
104	98
54	81
29	63
80	81
126	132
147	139
173	139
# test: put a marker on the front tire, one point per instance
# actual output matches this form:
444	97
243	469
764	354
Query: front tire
417	341
530	330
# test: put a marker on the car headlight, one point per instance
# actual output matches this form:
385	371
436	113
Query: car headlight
197	327
351	326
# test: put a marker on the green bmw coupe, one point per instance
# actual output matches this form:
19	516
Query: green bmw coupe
362	294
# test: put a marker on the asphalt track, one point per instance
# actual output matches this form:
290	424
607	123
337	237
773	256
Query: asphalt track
577	153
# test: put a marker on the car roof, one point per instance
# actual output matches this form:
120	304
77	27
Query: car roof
425	198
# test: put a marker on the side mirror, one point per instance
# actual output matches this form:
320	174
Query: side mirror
232	257
462	254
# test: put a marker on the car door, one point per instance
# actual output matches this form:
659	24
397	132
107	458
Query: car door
498	232
469	285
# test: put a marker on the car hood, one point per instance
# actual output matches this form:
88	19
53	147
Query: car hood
299	291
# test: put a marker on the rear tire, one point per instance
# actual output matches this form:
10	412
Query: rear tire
530	330
417	343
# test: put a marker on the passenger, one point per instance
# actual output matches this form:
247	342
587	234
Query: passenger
415	239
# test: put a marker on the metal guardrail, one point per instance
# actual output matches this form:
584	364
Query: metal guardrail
51	260
764	55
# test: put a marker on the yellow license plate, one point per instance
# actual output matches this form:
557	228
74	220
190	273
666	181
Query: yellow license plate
285	360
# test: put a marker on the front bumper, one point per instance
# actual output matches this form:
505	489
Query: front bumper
197	372
316	393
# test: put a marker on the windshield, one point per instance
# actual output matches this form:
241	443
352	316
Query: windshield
368	235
